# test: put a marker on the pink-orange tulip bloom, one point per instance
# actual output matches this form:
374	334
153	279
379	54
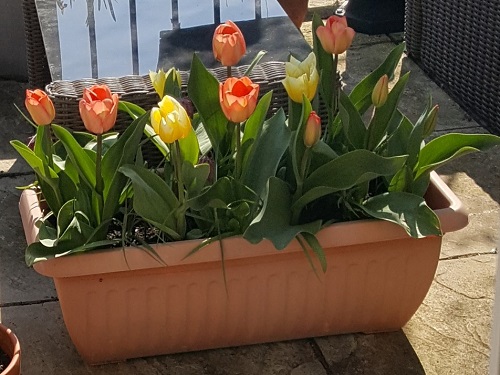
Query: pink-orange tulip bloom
98	109
40	107
228	44
238	98
335	37
312	133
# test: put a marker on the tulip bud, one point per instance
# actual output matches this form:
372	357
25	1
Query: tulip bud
228	44
335	37
40	107
380	91
301	78
430	121
312	132
158	80
170	120
238	98
98	109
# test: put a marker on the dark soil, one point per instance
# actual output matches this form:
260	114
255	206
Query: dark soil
4	360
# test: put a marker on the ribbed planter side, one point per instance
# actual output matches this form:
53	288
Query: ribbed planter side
122	304
9	344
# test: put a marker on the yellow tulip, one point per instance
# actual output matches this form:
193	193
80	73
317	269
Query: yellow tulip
158	80
301	78
170	120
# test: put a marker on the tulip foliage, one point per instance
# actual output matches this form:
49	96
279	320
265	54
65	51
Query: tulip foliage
232	166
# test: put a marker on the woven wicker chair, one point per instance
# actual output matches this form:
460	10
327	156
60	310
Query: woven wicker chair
38	68
457	43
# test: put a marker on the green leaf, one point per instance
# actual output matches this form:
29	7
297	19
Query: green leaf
377	130
132	109
316	248
254	62
353	125
407	210
33	160
194	177
397	144
122	152
253	125
221	194
271	143
203	89
82	161
447	147
297	147
190	149
48	178
37	252
324	64
155	138
353	168
320	155
154	200
361	94
43	144
273	221
345	172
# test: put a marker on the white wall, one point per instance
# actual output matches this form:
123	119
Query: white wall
12	45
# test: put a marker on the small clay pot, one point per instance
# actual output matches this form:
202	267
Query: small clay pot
9	344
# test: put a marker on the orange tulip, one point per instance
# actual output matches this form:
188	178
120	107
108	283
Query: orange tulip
228	44
40	107
238	98
98	109
312	132
335	37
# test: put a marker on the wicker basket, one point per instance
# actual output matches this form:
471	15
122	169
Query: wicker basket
457	43
139	90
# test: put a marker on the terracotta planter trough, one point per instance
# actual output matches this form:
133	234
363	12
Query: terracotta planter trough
122	303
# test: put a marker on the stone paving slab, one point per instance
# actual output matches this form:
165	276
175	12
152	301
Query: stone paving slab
18	283
451	330
47	349
12	126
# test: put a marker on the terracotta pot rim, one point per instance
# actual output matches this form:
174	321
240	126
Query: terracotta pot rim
14	350
447	206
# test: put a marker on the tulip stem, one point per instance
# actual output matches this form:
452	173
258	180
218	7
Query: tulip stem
177	159
335	101
304	167
229	72
336	87
238	160
99	183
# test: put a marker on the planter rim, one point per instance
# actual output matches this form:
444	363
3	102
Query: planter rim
445	203
13	350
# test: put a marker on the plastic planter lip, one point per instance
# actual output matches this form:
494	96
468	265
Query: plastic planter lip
10	345
446	204
377	277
